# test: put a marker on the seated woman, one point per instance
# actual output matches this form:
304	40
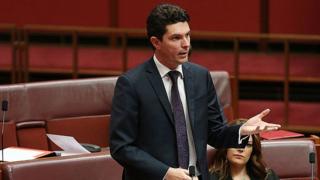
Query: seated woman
241	163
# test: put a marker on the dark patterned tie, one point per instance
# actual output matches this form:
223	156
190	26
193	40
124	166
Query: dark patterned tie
180	122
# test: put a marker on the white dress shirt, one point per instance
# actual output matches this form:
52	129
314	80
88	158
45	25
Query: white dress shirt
163	70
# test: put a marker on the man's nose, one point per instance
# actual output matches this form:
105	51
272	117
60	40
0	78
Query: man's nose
185	42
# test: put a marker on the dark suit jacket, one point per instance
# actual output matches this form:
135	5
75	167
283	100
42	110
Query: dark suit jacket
142	130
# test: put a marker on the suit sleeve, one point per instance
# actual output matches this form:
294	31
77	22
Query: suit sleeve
124	132
220	135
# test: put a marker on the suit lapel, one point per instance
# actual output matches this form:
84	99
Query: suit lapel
189	88
157	84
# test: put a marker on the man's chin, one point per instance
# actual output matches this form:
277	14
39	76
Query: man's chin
183	60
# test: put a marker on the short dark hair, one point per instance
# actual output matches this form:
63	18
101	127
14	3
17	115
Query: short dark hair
163	15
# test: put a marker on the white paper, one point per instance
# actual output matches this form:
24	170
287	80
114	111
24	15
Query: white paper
18	154
68	144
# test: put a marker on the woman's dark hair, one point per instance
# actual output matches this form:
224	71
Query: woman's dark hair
255	166
163	15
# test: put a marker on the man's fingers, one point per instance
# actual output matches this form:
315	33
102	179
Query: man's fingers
274	125
263	113
248	130
272	128
262	127
268	127
186	172
177	173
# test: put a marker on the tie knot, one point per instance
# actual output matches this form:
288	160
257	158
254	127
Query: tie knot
173	75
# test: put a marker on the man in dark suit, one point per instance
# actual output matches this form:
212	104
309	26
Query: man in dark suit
150	99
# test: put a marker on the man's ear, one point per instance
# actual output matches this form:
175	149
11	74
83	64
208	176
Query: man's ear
155	42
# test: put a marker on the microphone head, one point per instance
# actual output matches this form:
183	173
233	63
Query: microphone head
4	105
312	157
192	171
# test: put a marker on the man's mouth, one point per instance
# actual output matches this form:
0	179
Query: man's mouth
183	53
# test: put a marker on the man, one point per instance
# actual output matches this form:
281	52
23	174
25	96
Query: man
162	121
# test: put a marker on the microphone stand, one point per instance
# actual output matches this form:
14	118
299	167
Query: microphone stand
312	160
4	110
192	171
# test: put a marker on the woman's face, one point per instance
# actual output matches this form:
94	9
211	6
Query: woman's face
240	156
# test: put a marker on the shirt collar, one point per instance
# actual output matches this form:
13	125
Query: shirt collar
163	70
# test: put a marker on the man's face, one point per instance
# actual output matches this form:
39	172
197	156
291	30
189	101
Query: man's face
174	47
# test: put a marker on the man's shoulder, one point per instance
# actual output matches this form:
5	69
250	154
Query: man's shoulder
195	68
190	64
137	72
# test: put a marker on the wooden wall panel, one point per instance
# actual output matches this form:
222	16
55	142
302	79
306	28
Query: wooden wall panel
213	15
294	16
55	12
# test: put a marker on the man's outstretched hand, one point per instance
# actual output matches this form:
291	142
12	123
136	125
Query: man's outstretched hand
256	125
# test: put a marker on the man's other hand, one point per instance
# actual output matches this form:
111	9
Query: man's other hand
177	174
256	125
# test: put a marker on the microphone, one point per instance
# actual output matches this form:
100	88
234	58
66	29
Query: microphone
312	160
192	171
4	110
4	105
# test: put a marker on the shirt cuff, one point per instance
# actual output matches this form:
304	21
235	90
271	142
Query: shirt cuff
240	139
164	177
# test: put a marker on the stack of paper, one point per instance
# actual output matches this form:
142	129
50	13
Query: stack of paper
19	154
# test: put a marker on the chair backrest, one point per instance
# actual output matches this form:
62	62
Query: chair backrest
78	108
221	81
97	166
57	99
290	158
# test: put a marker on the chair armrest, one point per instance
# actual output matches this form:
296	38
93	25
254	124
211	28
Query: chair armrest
87	166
